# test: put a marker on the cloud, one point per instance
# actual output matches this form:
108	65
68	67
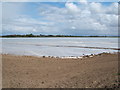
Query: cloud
0	11
82	18
83	2
15	0
96	8
72	7
12	10
94	18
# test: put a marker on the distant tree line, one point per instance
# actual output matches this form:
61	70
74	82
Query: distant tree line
31	35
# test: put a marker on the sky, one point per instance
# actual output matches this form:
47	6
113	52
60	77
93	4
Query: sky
64	18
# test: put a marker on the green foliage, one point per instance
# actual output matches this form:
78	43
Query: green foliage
40	35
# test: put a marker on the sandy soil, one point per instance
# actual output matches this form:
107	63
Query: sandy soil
100	71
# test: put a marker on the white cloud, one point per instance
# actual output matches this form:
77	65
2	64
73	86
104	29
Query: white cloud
0	11
76	19
15	0
12	10
96	8
83	2
72	7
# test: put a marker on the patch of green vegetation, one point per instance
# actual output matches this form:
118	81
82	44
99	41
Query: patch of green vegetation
31	35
